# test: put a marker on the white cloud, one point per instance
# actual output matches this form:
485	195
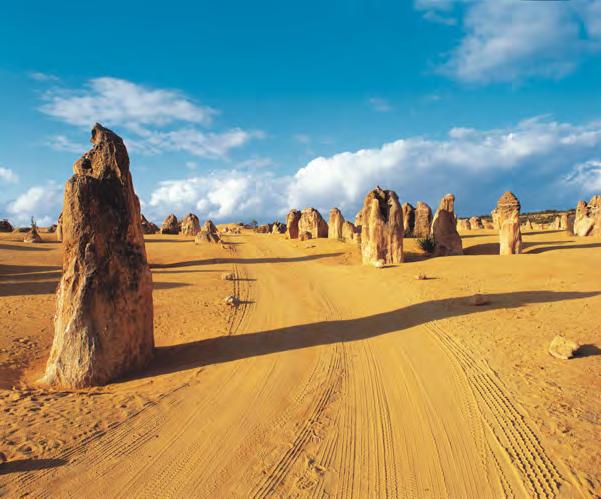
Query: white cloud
195	142
586	176
114	101
221	195
255	162
63	143
7	175
508	41
531	157
39	76
43	202
379	105
152	119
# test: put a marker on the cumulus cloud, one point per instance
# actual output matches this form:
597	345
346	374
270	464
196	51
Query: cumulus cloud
221	195
532	157
43	202
8	176
507	41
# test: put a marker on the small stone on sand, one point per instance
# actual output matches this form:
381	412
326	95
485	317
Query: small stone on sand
563	348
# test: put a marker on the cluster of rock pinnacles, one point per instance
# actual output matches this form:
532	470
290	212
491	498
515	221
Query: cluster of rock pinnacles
104	311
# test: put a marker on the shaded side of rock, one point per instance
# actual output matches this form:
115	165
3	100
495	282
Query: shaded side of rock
423	220
408	219
148	227
292	220
5	226
170	225
444	228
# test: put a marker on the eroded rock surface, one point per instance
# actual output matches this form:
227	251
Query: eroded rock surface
190	225
335	224
444	228
312	221
104	313
508	217
381	228
292	220
423	220
170	225
148	227
5	226
408	219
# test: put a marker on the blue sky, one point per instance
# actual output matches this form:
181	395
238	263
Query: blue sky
240	110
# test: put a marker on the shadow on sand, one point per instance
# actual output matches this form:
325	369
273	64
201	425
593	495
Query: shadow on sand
588	350
245	261
16	247
532	248
24	465
229	348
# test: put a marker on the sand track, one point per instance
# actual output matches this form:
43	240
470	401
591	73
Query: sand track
317	402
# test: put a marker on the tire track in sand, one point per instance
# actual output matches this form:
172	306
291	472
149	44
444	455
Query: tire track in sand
506	421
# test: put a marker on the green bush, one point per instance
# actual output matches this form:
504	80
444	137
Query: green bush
427	244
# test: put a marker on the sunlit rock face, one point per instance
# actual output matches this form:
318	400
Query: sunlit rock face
103	325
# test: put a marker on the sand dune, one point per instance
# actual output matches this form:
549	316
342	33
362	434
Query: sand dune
330	378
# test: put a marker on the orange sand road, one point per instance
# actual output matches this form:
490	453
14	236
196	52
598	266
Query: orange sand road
337	379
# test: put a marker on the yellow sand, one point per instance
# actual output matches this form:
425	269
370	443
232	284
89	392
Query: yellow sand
331	378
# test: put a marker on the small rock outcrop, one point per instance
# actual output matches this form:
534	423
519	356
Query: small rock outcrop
476	223
488	225
292	220
278	228
508	216
423	220
349	231
5	226
408	219
190	225
207	237
209	226
305	236
335	224
587	221
381	228
563	348
444	228
170	225
263	229
495	219
463	225
148	227
312	221
103	326
59	227
33	236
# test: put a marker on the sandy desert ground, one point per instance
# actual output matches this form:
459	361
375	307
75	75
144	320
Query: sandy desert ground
330	379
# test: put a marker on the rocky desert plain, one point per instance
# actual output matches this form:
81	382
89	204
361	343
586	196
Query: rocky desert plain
398	353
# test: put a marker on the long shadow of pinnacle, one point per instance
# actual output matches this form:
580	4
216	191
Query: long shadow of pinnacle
229	348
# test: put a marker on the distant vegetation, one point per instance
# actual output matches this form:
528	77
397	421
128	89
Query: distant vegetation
427	244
